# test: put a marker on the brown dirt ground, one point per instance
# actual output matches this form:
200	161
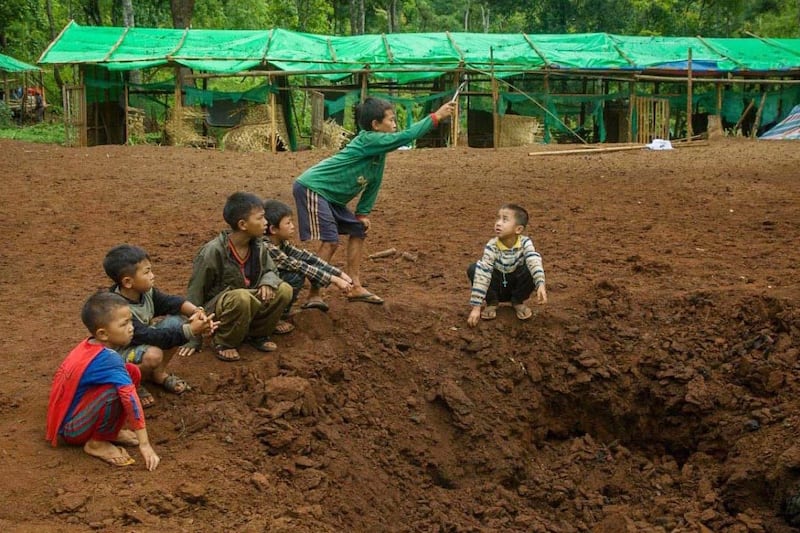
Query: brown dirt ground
657	391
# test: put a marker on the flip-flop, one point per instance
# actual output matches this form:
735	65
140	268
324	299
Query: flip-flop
262	344
145	397
218	349
366	298
523	311
315	304
489	312
172	384
284	327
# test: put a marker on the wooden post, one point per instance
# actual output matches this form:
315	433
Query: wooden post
84	117
689	106
757	123
495	116
6	93
631	107
454	119
125	104
273	103
719	102
364	77
177	111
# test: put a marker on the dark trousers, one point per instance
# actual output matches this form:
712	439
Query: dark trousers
514	287
297	281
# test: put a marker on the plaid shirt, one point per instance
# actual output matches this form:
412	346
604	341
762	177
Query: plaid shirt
293	259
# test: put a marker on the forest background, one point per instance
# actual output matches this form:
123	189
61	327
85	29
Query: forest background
28	26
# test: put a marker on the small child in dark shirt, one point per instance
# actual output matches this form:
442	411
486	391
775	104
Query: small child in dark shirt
130	269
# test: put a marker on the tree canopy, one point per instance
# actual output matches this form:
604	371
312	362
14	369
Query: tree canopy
27	26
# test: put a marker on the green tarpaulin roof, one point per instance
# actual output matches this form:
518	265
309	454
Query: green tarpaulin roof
418	54
9	64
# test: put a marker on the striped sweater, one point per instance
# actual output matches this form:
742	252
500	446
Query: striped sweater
497	256
293	259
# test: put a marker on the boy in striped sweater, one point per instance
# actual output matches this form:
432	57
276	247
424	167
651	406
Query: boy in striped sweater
510	269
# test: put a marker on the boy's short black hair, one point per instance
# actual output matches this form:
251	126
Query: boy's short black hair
520	215
238	207
371	109
275	211
122	260
98	309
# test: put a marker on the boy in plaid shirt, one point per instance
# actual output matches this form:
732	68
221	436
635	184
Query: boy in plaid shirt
295	264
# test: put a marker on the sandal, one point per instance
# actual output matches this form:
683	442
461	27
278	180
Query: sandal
145	398
284	327
175	385
262	344
523	311
489	312
220	353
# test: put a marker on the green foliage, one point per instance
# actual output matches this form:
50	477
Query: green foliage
6	118
39	133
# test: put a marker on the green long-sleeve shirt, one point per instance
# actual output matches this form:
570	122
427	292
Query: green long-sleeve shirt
358	167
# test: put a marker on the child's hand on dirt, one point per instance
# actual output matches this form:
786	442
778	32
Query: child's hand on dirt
474	316
151	460
541	295
345	285
445	111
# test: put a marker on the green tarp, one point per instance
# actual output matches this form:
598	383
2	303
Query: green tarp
9	64
406	57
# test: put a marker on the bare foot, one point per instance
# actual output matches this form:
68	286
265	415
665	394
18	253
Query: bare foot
126	437
113	455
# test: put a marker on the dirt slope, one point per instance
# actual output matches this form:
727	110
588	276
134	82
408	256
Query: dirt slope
656	392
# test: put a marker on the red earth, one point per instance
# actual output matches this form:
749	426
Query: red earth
656	392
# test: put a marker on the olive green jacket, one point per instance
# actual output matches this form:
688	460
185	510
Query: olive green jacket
215	271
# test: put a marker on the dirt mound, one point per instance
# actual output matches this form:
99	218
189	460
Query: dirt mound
656	392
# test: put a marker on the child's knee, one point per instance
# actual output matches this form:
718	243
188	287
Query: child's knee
152	357
284	292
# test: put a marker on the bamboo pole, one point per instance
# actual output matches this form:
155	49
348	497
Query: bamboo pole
689	105
273	103
757	123
495	116
744	114
614	149
454	125
125	96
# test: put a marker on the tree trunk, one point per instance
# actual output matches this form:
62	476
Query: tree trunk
135	76
357	17
92	10
466	18
485	18
53	35
182	11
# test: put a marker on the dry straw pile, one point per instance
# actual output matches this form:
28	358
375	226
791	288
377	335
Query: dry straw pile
254	132
518	130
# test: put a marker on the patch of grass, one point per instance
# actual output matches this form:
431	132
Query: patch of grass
37	133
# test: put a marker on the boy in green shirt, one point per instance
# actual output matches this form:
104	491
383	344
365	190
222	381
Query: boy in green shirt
322	192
